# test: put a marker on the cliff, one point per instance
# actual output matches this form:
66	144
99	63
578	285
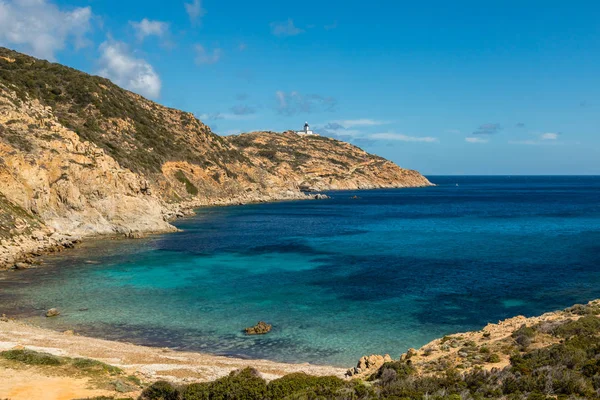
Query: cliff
321	163
80	156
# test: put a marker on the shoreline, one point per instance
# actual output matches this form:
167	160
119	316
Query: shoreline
150	364
24	251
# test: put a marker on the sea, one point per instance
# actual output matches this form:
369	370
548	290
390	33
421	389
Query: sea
365	272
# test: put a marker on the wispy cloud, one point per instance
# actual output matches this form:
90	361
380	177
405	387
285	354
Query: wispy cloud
146	28
43	28
204	56
242	46
475	140
286	28
195	11
243	110
362	122
295	103
120	66
549	136
520	125
401	137
225	116
488	129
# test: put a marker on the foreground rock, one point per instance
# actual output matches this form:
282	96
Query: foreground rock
259	329
368	365
53	312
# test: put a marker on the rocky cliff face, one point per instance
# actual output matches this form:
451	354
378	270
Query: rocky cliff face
321	163
80	156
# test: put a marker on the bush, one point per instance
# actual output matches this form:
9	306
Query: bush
95	366
161	390
196	391
309	386
584	326
239	385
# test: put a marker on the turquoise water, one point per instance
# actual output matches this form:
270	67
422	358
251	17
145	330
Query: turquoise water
338	278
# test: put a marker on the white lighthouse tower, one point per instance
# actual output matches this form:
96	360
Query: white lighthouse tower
306	130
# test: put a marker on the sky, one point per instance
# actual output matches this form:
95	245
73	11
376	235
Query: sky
444	87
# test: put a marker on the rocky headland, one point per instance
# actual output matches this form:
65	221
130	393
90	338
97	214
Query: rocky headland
81	157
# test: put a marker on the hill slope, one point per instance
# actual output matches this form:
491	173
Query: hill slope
322	163
80	156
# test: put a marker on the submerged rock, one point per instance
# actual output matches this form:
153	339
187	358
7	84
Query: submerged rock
259	329
53	312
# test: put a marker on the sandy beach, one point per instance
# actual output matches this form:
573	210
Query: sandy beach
147	363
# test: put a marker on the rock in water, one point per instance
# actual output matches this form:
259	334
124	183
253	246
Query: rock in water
53	312
259	329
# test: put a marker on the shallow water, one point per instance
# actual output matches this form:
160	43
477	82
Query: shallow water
338	278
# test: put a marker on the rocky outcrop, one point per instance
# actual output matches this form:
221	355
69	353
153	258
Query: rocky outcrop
261	328
367	365
81	157
318	163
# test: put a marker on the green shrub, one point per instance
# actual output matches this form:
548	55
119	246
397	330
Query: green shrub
245	384
584	326
189	186
32	357
160	390
95	366
196	391
306	385
494	358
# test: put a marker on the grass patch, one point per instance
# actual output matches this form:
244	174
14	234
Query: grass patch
189	186
31	357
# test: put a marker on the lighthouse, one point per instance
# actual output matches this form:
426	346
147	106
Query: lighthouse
306	130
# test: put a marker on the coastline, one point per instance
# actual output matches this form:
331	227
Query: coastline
150	364
24	251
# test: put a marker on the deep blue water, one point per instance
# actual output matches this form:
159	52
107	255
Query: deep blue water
337	278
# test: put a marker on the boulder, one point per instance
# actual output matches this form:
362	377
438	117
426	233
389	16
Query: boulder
367	365
53	312
259	329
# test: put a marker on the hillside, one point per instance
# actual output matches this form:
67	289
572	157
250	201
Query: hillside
322	163
80	156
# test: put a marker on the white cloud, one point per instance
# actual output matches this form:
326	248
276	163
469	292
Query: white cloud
203	56
226	116
543	139
195	10
41	27
297	103
352	123
286	28
124	69
146	28
475	140
549	136
401	137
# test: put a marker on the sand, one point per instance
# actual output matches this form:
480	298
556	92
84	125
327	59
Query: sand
148	363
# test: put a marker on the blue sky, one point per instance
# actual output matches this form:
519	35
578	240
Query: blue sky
463	87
